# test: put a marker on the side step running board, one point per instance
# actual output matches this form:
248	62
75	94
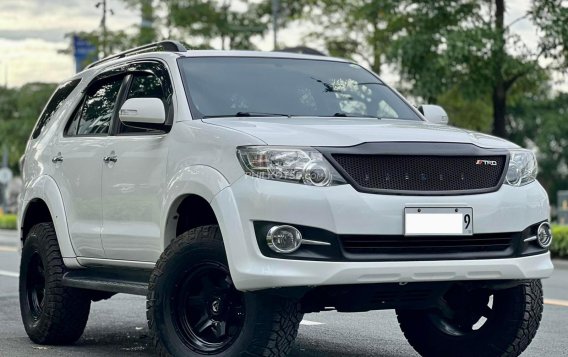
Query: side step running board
109	280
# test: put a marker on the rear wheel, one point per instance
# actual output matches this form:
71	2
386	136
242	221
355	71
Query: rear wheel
51	312
194	308
479	322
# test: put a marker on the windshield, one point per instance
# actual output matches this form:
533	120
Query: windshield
238	86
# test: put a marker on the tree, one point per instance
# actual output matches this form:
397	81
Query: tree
357	28
19	110
473	49
539	122
201	22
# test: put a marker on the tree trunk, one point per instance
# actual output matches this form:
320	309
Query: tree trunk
499	87
499	110
377	49
376	62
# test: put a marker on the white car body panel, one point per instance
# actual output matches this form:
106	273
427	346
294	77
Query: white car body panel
200	180
79	179
132	198
343	210
313	131
44	188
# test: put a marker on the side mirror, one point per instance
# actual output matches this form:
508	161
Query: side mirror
146	113
434	113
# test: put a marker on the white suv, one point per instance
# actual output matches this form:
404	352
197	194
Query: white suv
240	190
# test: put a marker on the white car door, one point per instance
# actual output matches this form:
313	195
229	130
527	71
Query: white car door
78	160
134	182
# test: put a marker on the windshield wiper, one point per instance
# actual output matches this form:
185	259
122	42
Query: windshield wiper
370	83
248	114
348	115
261	114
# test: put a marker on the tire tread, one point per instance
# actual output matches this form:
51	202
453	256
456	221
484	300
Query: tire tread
66	309
281	317
513	337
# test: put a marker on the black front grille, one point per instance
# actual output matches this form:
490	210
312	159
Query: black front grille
423	173
427	245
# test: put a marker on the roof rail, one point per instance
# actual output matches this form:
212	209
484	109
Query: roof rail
167	46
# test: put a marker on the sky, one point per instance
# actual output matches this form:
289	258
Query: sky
33	31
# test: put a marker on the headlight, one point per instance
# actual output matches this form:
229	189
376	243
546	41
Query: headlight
522	168
299	165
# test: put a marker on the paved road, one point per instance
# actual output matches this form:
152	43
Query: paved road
118	326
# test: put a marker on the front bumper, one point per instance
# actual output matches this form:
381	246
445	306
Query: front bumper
343	210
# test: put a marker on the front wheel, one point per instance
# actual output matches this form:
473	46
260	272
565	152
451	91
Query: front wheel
475	323
194	308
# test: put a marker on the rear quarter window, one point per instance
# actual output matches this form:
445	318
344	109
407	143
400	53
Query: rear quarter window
55	102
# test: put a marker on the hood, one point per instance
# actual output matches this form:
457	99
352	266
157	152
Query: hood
306	131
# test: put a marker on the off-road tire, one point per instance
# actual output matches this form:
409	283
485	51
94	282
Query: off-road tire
516	321
64	312
270	323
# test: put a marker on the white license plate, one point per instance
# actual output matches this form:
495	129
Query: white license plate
428	221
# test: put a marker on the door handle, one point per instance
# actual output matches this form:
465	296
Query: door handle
57	159
111	158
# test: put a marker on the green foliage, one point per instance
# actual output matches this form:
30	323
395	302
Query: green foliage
357	28
551	16
205	21
540	121
432	44
19	110
467	44
559	247
472	113
200	24
8	221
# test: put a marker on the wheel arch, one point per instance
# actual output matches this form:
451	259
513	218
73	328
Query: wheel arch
188	201
43	202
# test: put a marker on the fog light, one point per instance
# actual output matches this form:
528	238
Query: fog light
544	235
284	239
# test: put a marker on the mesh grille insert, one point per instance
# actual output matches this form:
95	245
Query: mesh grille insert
423	172
427	245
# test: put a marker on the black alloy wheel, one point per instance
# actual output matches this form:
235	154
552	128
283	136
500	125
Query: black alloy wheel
35	283
207	309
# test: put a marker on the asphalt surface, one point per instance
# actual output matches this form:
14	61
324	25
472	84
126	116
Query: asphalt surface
118	326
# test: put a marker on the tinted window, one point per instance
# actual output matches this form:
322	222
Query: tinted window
57	99
143	85
99	104
224	86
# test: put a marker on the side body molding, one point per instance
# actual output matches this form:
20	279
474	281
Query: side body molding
45	189
199	180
